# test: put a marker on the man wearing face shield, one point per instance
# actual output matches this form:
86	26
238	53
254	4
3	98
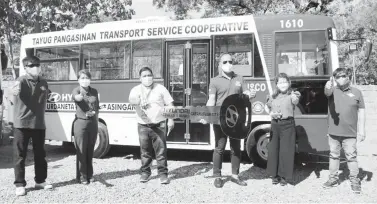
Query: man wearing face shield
346	125
149	99
30	97
222	86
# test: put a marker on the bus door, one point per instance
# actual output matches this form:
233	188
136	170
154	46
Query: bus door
187	79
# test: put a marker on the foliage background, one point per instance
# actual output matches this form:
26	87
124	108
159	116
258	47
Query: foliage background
353	18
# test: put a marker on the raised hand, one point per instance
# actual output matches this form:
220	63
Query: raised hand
79	97
295	95
16	88
330	83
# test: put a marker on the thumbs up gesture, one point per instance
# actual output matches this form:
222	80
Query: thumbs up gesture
295	95
331	83
16	88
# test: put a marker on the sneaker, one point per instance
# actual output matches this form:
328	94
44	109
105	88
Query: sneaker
330	183
20	191
218	175
237	180
144	178
275	180
164	179
43	185
356	187
92	180
84	181
283	182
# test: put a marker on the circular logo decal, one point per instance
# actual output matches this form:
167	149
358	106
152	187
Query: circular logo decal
53	97
231	116
258	107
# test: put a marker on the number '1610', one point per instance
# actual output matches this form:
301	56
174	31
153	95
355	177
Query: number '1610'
292	23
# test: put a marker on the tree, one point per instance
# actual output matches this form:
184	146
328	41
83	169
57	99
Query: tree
18	17
214	8
353	19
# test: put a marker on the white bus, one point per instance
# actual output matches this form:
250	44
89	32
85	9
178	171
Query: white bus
184	56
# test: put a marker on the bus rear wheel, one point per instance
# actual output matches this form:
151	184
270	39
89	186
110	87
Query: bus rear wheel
102	146
256	147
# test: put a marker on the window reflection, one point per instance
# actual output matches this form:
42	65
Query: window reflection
147	53
302	53
107	60
240	48
59	64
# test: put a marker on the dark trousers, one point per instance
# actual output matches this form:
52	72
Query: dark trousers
20	147
281	149
153	139
235	151
85	138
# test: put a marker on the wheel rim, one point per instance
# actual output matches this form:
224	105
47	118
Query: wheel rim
97	142
262	146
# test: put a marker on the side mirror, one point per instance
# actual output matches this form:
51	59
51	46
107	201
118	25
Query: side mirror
367	49
4	59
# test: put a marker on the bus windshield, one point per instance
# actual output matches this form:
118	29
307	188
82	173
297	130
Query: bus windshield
302	53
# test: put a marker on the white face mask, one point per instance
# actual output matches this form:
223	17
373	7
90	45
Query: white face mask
34	71
147	81
84	82
283	87
227	67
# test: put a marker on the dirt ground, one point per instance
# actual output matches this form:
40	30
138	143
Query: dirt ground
118	180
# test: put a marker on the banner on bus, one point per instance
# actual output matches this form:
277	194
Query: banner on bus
106	107
132	31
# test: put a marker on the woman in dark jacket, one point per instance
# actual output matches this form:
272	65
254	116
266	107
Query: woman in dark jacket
85	126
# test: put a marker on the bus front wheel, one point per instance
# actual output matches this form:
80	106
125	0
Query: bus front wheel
256	146
102	145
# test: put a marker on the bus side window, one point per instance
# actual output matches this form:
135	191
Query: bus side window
147	53
240	47
258	67
106	61
59	64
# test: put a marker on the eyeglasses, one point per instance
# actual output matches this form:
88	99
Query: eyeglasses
230	62
340	76
32	65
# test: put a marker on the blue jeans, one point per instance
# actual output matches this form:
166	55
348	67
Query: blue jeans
153	139
349	146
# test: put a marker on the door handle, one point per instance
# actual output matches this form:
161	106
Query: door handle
188	91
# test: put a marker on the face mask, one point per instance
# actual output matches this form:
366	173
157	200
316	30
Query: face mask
283	87
84	82
34	71
147	81
343	83
227	67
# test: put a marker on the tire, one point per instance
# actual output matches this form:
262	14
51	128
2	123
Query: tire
239	105
256	145
102	145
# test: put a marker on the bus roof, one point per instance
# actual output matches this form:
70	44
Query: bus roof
143	29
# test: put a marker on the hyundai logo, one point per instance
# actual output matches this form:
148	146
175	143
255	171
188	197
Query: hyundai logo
231	116
53	97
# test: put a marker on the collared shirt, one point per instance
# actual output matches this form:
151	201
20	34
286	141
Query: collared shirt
30	104
90	102
223	86
343	110
157	98
283	103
